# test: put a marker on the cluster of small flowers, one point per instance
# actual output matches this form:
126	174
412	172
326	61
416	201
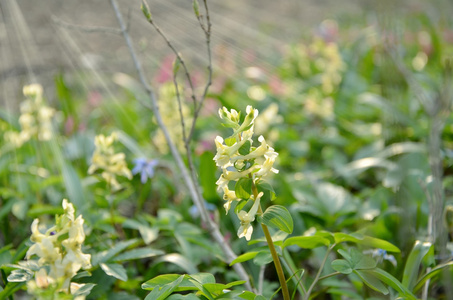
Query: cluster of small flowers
111	163
60	252
321	63
35	119
239	159
169	111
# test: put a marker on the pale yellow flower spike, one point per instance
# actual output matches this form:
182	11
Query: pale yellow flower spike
254	163
35	119
60	249
112	164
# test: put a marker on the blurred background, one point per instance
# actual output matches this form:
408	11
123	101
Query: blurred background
40	39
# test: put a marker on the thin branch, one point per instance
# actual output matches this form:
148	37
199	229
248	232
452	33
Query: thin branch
181	116
190	182
178	57
261	280
207	32
84	28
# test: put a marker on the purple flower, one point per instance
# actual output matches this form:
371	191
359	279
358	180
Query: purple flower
145	168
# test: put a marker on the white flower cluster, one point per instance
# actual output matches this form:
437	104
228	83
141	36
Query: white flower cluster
239	159
35	119
59	250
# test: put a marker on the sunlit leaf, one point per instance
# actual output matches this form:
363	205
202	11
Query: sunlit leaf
278	216
115	270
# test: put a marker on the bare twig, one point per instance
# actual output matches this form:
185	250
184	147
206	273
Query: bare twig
207	32
189	180
181	116
197	104
178	57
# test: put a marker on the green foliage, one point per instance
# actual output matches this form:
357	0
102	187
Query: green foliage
278	216
354	183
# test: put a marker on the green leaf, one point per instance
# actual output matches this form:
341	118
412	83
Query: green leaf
138	253
84	290
278	216
378	243
203	278
196	8
391	281
357	260
43	209
342	266
149	234
178	260
372	282
207	172
115	270
73	184
368	241
160	281
130	143
263	258
230	141
265	187
163	292
215	289
247	295
109	254
413	262
306	242
243	188
245	148
244	257
183	297
10	289
202	289
145	9
20	275
431	274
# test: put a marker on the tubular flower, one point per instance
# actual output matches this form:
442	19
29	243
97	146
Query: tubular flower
59	250
247	218
242	165
111	163
237	157
228	196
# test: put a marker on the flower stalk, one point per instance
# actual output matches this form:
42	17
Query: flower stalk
245	166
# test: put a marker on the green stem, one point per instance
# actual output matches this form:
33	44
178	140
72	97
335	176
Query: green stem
317	278
278	266
270	244
288	263
329	275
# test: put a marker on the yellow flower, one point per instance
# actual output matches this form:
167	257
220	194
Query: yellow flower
247	218
236	162
228	196
111	163
35	119
60	248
